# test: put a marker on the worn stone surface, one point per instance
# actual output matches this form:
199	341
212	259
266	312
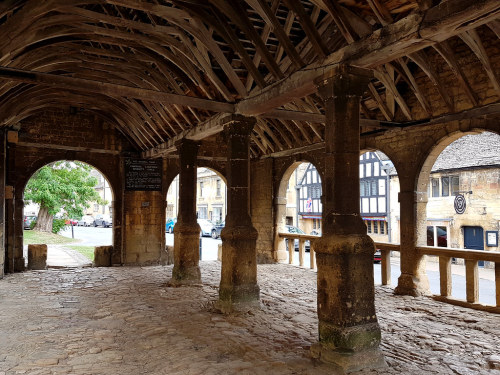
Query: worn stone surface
123	320
37	256
102	256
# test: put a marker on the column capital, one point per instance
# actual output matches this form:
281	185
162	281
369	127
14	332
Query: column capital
343	80
187	146
239	125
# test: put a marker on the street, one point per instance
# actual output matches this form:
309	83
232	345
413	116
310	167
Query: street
91	236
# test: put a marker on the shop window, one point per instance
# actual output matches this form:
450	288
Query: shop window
382	227
375	227
369	226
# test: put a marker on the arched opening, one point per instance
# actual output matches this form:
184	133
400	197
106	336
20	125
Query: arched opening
211	210
68	205
298	209
461	177
379	206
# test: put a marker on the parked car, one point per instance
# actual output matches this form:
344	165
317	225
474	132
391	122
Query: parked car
86	221
217	229
71	222
103	220
206	227
377	257
27	221
169	226
295	230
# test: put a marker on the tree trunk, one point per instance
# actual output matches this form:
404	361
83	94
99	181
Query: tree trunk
44	220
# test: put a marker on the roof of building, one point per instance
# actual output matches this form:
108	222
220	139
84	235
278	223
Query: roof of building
470	151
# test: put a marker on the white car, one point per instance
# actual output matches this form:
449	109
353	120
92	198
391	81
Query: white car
86	221
206	227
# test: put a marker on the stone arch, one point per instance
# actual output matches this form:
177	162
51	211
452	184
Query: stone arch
282	175
31	160
109	172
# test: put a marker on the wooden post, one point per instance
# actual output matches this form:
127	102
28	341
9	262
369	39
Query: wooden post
472	280
302	251
445	275
386	267
497	281
291	249
313	258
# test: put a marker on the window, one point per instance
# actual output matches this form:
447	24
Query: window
218	188
375	227
201	191
381	186
369	226
382	227
96	207
450	185
374	187
435	187
202	212
455	185
445	186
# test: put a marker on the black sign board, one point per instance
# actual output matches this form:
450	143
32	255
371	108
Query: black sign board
143	175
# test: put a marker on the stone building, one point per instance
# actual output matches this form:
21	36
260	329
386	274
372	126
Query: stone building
211	196
148	90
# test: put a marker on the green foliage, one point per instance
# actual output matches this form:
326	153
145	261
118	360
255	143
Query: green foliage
63	185
58	225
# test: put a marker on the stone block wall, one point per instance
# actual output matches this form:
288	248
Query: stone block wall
144	237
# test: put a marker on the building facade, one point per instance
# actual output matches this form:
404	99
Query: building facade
374	171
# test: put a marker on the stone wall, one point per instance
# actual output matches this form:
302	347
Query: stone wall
144	236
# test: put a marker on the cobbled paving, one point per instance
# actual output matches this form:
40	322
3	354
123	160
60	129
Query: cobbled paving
126	320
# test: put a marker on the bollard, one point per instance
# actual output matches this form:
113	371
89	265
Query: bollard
102	256
37	257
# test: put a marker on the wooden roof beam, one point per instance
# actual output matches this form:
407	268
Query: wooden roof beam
410	34
111	89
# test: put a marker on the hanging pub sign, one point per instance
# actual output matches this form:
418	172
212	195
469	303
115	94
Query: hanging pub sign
143	174
460	204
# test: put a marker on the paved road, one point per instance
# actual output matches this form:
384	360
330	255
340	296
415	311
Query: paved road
91	236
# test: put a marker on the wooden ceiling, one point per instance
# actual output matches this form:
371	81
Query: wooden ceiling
161	70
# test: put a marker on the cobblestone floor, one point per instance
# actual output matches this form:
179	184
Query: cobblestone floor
126	321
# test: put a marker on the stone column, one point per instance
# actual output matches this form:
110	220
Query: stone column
413	280
238	287
349	334
3	157
19	262
280	252
187	231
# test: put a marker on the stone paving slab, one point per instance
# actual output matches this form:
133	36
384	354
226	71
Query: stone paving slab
126	321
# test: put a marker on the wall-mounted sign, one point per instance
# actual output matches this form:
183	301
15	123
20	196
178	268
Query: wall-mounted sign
460	204
491	238
143	174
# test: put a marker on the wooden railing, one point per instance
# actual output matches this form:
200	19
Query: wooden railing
302	247
471	258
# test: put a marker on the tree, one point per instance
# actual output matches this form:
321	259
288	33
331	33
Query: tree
63	185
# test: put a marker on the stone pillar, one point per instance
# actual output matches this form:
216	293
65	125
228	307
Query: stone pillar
349	334
238	287
187	231
37	257
281	254
2	202
413	280
19	262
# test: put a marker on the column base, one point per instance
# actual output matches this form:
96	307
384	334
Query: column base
411	285
185	276
348	362
241	298
19	265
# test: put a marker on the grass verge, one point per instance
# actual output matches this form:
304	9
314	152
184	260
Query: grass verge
36	237
88	251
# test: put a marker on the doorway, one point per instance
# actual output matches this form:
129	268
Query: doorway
474	240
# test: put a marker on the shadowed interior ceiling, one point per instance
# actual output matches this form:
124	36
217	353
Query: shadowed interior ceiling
162	70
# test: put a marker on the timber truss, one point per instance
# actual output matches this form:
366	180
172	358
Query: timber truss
163	70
